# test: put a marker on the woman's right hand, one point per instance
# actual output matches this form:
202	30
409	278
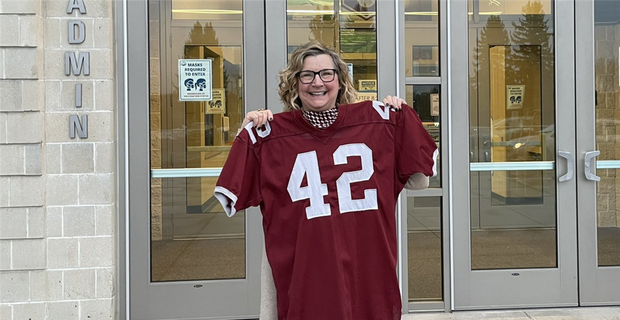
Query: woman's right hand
259	117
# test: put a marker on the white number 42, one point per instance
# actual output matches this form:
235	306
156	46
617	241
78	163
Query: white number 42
307	164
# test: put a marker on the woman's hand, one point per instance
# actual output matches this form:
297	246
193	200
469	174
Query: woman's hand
394	101
259	117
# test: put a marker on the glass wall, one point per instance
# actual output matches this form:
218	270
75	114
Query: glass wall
423	93
421	38
196	108
607	39
512	142
424	242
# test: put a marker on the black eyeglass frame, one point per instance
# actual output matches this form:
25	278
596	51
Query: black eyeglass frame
314	75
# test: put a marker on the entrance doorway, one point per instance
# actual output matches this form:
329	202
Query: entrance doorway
518	246
189	260
181	243
597	145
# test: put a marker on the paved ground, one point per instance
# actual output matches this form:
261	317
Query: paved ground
583	313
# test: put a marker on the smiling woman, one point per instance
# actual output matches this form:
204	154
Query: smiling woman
319	94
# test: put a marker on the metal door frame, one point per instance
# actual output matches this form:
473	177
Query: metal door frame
598	285
136	299
146	300
497	289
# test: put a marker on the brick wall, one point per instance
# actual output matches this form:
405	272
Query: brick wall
57	254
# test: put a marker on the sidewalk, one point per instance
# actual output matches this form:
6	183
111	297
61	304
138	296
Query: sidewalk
582	313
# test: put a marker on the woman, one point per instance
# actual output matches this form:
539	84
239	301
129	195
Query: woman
293	94
327	176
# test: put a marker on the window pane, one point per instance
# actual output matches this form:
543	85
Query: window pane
425	101
422	38
424	243
607	128
191	237
512	120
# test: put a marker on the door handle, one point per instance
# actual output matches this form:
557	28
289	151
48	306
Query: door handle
570	165
587	168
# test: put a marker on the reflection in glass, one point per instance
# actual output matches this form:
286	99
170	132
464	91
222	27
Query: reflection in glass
512	117
348	27
425	101
424	245
197	246
607	128
422	38
608	221
191	237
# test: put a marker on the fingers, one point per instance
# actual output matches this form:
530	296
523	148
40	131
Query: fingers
258	117
394	101
268	114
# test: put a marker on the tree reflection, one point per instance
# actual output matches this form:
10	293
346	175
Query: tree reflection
530	36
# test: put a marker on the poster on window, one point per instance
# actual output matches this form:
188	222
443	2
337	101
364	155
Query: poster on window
367	85
514	96
363	96
434	104
195	80
217	104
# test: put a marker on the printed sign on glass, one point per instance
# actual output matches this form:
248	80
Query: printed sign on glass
195	80
218	103
363	96
434	104
514	96
367	85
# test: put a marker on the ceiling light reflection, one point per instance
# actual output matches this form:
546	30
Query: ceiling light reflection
207	11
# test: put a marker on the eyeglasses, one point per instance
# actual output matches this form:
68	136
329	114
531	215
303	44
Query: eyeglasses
326	75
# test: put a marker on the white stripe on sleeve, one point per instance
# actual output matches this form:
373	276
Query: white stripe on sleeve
227	199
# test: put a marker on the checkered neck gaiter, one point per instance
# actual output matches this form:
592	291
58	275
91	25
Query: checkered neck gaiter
321	119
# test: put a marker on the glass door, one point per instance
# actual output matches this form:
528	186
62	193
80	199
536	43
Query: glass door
519	248
188	260
598	114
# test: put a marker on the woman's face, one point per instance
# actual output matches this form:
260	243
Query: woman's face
318	95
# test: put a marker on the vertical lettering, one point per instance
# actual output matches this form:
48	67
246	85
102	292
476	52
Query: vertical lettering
76	4
74	64
80	127
81	31
78	95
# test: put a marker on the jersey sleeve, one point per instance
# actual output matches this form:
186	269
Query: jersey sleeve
415	149
238	186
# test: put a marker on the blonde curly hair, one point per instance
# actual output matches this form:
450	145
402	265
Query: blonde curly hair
288	89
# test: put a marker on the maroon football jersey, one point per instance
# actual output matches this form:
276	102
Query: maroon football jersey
328	201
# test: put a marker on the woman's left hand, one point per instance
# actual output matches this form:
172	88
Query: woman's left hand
394	101
258	117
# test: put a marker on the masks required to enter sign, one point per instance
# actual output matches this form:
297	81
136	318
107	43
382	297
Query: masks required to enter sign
195	80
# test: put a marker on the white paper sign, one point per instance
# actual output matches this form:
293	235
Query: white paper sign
434	104
514	96
195	80
218	103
